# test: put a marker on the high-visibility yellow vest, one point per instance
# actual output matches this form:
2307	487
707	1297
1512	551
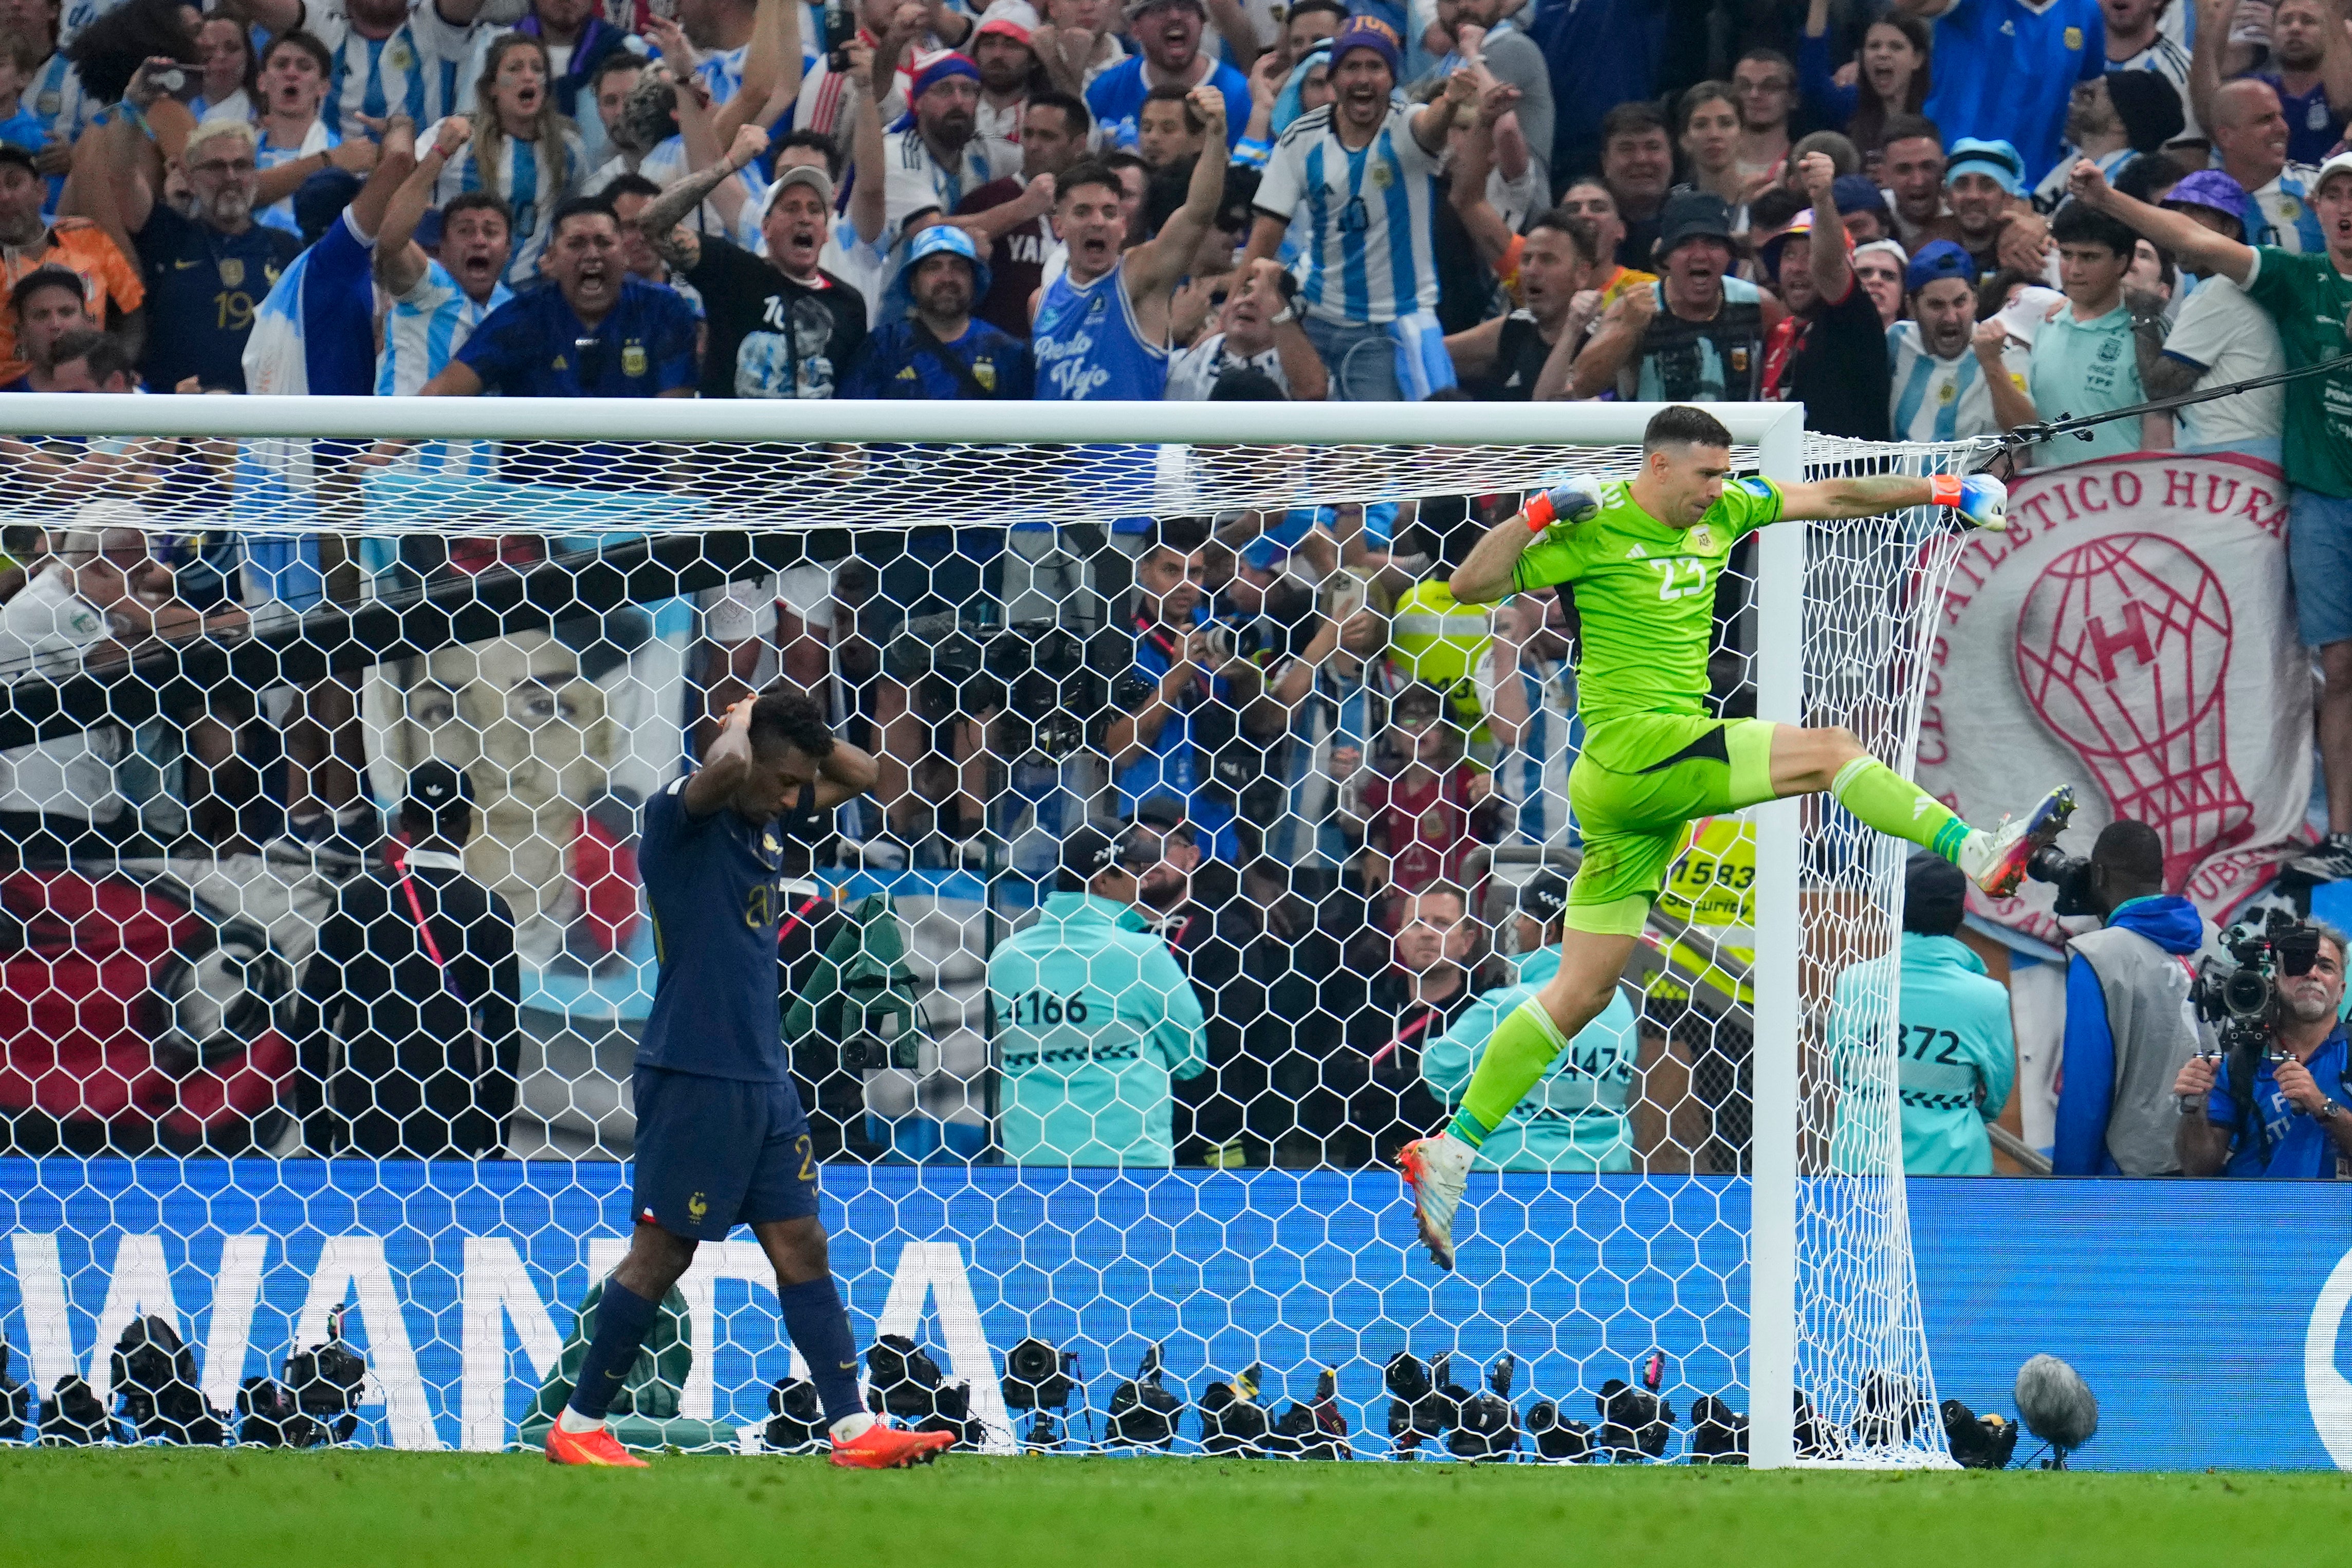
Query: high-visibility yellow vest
1712	885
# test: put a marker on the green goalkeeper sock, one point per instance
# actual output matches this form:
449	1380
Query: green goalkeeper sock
1898	807
1524	1045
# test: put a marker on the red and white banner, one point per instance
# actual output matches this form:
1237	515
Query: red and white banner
2132	635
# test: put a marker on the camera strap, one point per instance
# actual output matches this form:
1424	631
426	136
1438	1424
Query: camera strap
424	934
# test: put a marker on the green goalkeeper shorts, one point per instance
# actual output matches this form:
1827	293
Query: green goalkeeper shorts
1664	772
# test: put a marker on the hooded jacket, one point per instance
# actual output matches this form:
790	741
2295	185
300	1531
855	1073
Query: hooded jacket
2130	1029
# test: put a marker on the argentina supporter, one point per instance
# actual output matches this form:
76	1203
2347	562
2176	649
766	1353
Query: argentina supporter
1094	1018
1364	174
1942	378
386	57
521	150
438	299
937	349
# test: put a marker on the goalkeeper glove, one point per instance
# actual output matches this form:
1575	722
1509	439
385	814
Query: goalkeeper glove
1980	498
1563	507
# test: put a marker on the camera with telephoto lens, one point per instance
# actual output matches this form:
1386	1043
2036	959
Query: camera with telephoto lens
1143	1411
2240	999
2070	874
326	1381
1046	678
1039	1377
1635	1421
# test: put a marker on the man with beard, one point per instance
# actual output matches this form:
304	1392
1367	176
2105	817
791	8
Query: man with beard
2111	119
1526	354
1095	1020
1830	351
1941	379
206	273
1013	217
938	349
385	55
1695	336
597	332
78	246
2311	71
1365	172
1102	326
933	156
1764	88
1258	331
2289	1120
999	48
782	326
1911	167
1984	185
1170	34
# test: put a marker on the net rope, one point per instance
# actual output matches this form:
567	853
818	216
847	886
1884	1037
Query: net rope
556	618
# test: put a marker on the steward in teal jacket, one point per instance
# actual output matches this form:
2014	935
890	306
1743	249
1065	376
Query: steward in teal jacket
1093	1021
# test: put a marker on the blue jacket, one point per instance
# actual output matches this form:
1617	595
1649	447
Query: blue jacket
1958	1059
2290	1142
1574	1119
2087	1058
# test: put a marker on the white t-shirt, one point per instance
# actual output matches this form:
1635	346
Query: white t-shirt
2233	338
1193	372
44	631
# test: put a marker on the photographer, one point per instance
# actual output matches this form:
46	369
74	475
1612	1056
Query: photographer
1094	1018
2287	1117
2129	1023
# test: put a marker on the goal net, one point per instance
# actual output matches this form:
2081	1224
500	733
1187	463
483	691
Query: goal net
246	1091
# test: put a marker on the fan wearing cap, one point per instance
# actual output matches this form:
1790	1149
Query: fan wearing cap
933	154
1957	1057
780	325
408	1037
1094	1018
1168	34
2309	296
2111	119
1942	382
1364	172
1697	334
109	284
2004	69
938	348
1879	265
1830	353
999	48
2220	338
1579	1116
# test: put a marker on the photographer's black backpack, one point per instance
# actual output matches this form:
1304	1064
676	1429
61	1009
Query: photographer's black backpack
15	1402
906	1383
1143	1413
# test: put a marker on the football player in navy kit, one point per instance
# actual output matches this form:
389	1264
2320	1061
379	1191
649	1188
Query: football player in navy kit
721	1137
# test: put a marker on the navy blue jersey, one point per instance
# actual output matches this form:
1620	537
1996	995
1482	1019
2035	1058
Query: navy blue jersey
533	346
202	287
896	363
716	886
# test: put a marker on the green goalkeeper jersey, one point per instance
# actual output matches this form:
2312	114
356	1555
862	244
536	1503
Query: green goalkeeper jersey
1646	596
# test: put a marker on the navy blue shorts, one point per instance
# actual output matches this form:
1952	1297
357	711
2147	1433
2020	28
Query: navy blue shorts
716	1153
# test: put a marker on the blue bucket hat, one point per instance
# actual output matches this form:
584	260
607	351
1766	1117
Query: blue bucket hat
943	239
1973	155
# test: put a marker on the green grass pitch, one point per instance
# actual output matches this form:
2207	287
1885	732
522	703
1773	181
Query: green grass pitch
161	1508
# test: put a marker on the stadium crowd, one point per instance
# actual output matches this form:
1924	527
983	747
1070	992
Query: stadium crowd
1934	220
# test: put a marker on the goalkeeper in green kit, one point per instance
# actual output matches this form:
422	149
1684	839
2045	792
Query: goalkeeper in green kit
1644	555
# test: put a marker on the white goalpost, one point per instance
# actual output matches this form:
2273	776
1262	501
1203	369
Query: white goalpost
563	675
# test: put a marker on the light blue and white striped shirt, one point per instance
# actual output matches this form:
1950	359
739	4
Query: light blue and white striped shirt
722	72
1940	399
1370	251
1532	775
418	70
279	214
533	188
426	328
